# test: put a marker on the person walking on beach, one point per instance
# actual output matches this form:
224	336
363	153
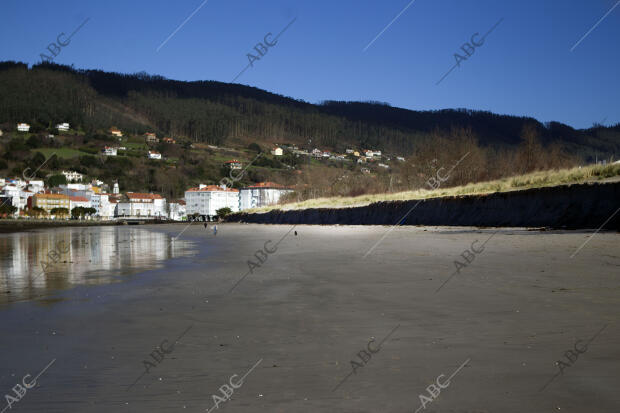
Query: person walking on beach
215	230
206	225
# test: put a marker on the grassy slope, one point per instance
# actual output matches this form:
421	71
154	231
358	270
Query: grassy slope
531	180
60	152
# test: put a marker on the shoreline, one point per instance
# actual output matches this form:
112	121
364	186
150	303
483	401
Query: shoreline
17	225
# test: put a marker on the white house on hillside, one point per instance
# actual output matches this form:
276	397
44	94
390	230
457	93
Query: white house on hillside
154	155
73	176
151	137
23	127
62	127
109	151
277	151
116	132
233	164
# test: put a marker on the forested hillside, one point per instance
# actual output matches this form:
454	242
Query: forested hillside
220	113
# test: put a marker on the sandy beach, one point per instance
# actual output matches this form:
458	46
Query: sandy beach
313	302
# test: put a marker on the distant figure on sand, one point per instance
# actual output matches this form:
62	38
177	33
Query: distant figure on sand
206	225
295	233
215	230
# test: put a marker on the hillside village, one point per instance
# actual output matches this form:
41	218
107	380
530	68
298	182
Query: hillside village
69	194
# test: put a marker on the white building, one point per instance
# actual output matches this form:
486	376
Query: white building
207	199
23	127
154	155
78	201
74	189
17	195
151	137
277	151
233	164
62	127
109	151
36	185
177	211
261	194
116	132
382	165
135	204
73	176
371	154
103	207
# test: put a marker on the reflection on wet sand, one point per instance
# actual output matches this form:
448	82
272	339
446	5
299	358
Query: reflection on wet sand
38	262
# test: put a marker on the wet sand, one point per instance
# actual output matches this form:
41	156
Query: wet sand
313	305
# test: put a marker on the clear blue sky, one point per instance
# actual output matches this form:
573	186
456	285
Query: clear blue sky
524	67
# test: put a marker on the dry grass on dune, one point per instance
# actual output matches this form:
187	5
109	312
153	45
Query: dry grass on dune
537	179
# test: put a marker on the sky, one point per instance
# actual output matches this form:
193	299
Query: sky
534	62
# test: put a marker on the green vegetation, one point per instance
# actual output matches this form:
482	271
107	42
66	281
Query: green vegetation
222	212
56	180
81	212
64	153
7	210
36	212
255	147
60	211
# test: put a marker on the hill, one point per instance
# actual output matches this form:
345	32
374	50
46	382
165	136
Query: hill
213	122
218	113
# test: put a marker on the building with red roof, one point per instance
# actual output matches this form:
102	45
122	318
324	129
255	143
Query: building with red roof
233	164
207	199
261	194
141	205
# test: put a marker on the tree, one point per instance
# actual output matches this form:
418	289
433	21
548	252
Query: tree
78	212
530	150
35	141
36	212
222	212
255	147
60	211
7	210
56	180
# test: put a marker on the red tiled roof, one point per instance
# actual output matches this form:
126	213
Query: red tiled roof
211	188
51	196
266	185
232	161
78	199
138	195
